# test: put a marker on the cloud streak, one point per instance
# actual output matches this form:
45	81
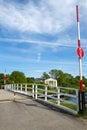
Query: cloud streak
62	42
48	17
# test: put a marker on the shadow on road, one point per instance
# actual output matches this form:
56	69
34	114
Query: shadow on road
32	104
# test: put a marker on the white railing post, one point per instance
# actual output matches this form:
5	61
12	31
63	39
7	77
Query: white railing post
17	87
12	87
21	87
45	93
77	100
33	90
9	86
26	88
58	95
6	87
36	92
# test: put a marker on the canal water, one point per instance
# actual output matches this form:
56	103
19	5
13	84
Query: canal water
73	100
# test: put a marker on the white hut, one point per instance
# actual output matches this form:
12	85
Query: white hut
51	82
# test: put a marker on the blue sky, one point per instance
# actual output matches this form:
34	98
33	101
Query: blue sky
39	35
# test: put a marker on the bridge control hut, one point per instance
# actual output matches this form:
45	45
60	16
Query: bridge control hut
51	82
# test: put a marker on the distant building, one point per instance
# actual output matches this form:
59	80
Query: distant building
39	80
51	82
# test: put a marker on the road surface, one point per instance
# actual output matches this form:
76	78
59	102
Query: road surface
26	114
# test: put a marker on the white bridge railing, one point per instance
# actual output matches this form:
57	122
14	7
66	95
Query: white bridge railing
61	97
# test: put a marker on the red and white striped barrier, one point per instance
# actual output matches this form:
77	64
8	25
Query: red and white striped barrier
80	51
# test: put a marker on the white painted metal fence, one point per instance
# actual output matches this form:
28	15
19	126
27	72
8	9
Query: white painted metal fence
61	97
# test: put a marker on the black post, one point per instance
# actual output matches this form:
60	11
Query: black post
81	102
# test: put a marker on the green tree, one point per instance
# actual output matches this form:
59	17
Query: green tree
77	77
54	73
67	78
1	79
18	77
59	75
8	79
30	80
45	75
63	79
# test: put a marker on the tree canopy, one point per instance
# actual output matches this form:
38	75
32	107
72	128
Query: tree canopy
30	80
18	77
63	79
45	75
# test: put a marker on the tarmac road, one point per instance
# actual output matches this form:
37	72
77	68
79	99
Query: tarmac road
26	114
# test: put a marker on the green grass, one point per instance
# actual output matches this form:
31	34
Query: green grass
71	106
52	101
41	91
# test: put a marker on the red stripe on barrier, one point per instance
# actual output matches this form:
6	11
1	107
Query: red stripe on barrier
79	43
81	85
77	13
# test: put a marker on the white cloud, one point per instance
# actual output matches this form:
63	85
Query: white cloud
49	17
83	11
